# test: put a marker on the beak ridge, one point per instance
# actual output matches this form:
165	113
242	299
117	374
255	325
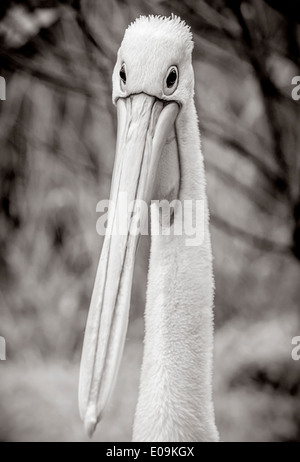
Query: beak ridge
144	124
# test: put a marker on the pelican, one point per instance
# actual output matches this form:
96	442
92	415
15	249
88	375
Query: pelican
158	156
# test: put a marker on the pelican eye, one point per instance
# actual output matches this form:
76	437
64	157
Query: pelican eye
172	77
123	73
171	80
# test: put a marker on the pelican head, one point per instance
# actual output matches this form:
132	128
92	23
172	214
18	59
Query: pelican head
153	82
155	58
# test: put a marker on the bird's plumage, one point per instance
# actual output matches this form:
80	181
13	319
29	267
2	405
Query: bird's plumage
159	143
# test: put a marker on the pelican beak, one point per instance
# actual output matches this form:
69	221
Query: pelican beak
144	124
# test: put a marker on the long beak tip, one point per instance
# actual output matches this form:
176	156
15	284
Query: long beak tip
90	427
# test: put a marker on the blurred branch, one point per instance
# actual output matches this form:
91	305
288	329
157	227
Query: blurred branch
82	22
268	92
259	242
253	196
272	177
60	81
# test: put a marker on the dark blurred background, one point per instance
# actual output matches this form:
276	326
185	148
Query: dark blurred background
57	135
